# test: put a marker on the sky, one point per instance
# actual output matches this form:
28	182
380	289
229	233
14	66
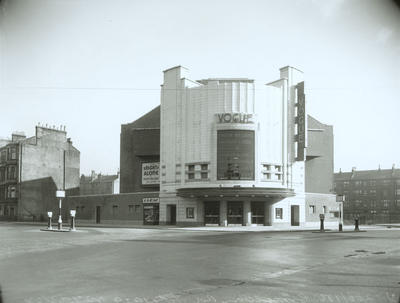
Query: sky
93	65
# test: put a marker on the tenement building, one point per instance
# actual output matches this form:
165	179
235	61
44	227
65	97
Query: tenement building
32	169
371	195
213	153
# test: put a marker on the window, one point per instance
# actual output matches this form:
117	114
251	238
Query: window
11	191
372	191
346	184
190	212
235	155
137	208
191	168
190	176
11	172
130	209
2	174
266	176
13	153
398	192
385	203
324	209
278	213
204	167
115	210
3	156
204	175
82	209
311	209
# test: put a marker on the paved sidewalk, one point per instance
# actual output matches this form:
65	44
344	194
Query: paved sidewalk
208	228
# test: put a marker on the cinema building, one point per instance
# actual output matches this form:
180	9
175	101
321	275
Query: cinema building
214	154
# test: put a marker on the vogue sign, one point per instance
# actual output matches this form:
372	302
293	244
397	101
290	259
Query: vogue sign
235	118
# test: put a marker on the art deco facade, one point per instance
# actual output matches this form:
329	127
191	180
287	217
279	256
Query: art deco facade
214	154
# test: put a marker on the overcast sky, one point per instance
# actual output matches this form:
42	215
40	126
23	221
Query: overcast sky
93	65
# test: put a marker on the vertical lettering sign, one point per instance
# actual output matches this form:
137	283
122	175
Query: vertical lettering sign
301	122
151	173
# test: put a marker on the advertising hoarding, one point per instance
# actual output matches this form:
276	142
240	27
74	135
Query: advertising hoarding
151	173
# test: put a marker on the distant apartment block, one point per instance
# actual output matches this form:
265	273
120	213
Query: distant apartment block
98	184
373	195
32	169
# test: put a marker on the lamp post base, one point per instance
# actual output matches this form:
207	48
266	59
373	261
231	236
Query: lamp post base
59	223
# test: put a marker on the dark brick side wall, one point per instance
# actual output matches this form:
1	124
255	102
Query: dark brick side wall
319	163
140	142
113	208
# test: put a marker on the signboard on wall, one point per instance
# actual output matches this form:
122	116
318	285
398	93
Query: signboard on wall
235	118
301	122
151	173
151	200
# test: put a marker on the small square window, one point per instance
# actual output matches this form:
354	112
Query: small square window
204	167
191	167
190	212
278	213
190	176
204	175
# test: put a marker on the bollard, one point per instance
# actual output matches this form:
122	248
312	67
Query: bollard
321	227
356	224
49	215
72	213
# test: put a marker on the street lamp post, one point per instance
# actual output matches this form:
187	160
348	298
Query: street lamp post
60	194
340	199
49	215
72	213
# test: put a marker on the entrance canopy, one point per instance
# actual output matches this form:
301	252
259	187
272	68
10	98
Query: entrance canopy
254	193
